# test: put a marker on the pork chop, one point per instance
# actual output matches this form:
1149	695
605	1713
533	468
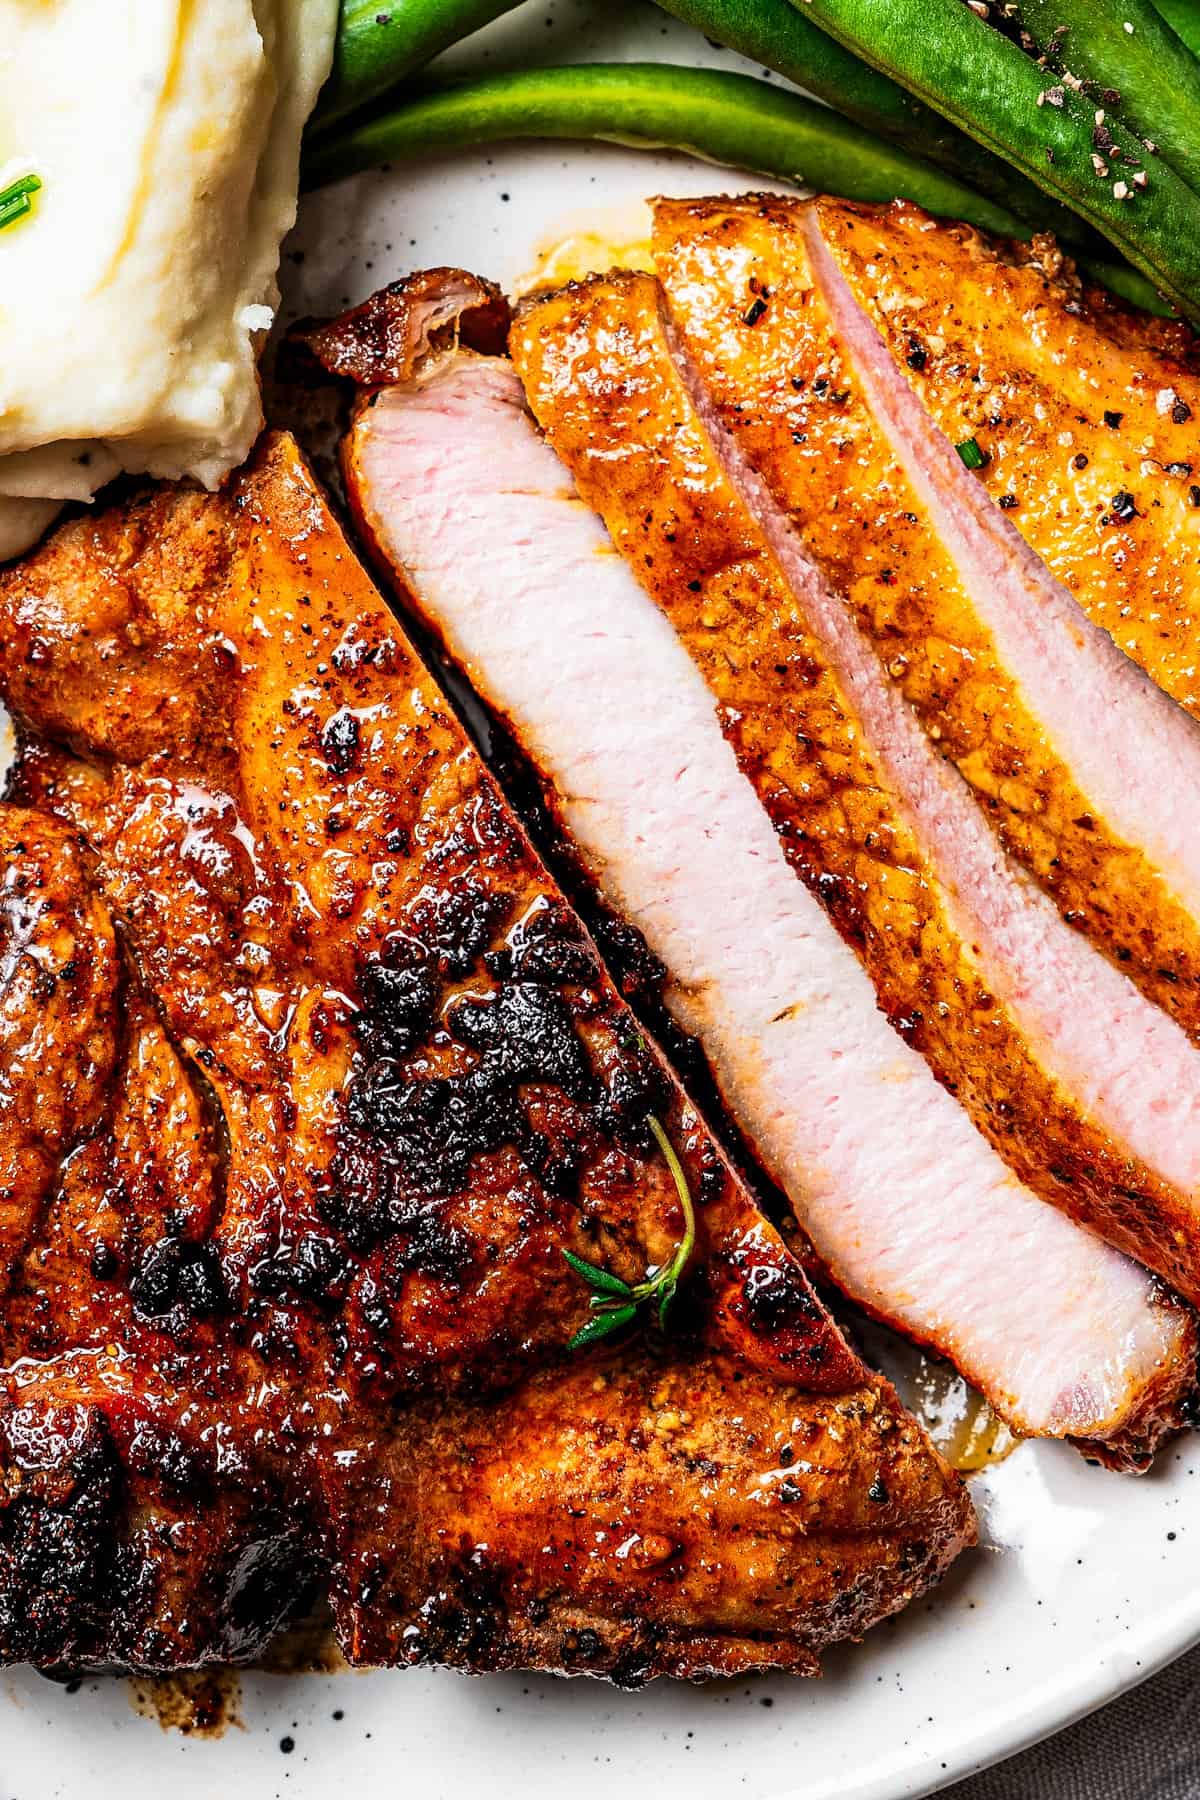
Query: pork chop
903	1199
297	1315
1087	418
1078	760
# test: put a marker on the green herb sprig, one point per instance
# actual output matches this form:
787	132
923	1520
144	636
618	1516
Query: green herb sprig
616	1303
971	454
17	199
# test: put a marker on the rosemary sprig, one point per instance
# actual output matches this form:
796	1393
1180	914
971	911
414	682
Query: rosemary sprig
616	1303
17	199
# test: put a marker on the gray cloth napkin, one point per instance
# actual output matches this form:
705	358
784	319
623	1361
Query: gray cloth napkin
1145	1746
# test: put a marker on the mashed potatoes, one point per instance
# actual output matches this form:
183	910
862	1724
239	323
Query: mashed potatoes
134	297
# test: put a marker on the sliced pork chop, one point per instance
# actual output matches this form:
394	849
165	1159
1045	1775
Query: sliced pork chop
904	1200
1078	758
376	1084
1090	421
1087	1089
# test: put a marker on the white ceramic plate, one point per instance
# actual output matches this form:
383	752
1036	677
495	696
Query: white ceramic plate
1088	1581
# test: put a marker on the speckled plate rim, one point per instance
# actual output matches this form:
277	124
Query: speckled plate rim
1077	1640
1084	1690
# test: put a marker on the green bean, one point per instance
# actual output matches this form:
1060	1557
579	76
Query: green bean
945	54
1127	284
723	118
382	42
1183	16
773	33
1127	48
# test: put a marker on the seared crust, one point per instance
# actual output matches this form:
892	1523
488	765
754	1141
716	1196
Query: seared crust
389	335
1073	403
643	1515
59	974
797	405
372	1082
602	384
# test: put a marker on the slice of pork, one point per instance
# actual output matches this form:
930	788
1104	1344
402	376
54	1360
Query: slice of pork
1079	760
906	1203
1088	1090
1089	416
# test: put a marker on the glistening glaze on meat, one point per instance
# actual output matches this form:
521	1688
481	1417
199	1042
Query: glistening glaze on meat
309	1258
903	1199
1078	759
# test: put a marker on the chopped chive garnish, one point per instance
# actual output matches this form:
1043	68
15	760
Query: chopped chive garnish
17	199
14	209
971	454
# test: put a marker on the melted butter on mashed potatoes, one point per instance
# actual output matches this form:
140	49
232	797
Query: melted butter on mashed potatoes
134	298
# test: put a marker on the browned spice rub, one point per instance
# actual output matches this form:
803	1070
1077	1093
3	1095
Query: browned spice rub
341	1078
1089	420
603	384
760	334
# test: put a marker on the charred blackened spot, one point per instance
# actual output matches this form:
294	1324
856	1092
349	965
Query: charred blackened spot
429	1130
636	1662
581	1647
776	1298
180	1281
877	1492
462	1622
638	971
105	1263
435	1248
526	1033
399	1000
411	1137
340	741
59	1532
908	1023
162	1456
454	923
711	1184
545	946
557	1167
829	890
636	1088
311	1268
1123	508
